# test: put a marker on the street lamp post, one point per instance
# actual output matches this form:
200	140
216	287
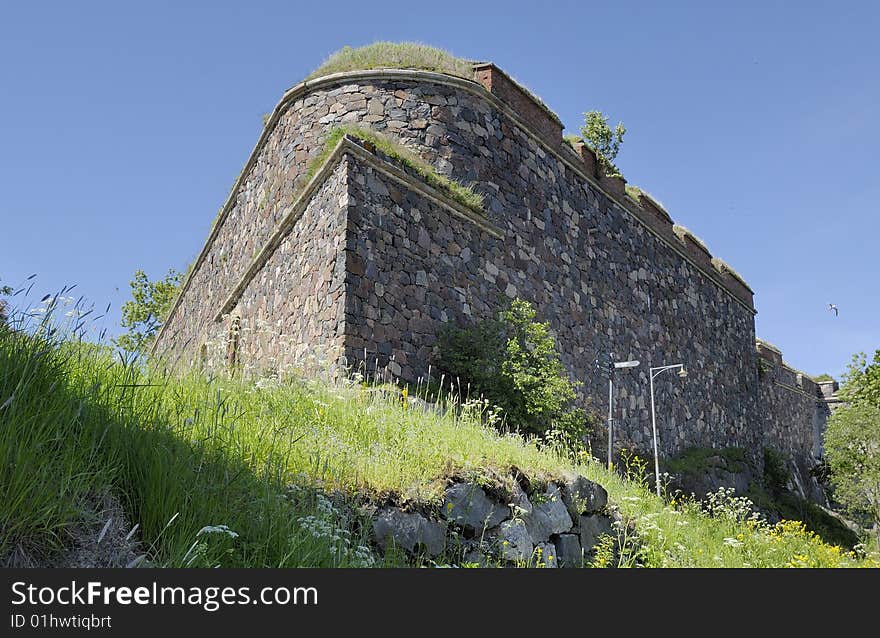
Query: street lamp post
653	373
606	365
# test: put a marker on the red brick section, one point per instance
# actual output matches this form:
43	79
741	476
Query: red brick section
588	157
739	289
698	252
614	186
769	354
540	119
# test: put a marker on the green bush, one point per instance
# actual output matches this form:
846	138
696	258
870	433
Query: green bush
513	363
775	471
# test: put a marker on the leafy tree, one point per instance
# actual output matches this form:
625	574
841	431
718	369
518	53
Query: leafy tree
862	381
852	441
512	361
144	314
606	142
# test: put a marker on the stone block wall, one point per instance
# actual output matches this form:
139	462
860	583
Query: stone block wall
793	412
366	258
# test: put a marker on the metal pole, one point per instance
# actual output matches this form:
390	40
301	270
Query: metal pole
654	428
609	423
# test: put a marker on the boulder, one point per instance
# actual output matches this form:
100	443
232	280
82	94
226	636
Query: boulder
591	528
581	495
409	530
519	502
514	541
467	505
549	516
568	550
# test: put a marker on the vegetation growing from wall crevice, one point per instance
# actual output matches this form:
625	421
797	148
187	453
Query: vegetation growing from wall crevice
462	193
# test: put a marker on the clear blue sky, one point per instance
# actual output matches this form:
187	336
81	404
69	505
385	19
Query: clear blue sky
123	126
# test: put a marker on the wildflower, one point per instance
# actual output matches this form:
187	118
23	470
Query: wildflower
732	542
217	529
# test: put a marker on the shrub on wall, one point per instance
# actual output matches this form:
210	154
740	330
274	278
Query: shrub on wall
512	362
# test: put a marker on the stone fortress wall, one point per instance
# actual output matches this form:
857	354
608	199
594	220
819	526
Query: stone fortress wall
364	262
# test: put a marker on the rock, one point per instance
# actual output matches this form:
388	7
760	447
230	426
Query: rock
549	516
591	528
514	541
409	530
545	556
520	502
468	505
582	496
568	550
476	557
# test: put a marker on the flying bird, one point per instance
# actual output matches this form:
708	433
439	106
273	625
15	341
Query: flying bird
833	308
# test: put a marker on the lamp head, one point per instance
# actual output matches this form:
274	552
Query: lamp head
682	373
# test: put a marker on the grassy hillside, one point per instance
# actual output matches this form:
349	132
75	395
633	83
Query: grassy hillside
236	473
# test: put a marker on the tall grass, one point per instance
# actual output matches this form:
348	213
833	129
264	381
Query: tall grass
180	455
242	473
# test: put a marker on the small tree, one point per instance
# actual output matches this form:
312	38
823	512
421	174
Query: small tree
512	361
606	142
852	448
852	441
144	314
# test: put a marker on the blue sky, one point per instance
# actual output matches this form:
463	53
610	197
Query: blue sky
123	126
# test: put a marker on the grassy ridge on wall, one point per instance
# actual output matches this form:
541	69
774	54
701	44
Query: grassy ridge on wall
395	55
224	472
463	194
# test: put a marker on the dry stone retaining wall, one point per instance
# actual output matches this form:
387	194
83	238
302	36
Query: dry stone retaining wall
555	525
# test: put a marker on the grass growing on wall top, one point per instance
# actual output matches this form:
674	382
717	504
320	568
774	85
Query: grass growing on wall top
405	55
463	194
395	55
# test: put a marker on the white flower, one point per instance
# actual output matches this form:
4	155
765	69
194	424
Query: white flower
732	542
217	529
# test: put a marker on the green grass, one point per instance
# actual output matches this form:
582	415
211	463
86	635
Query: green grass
695	459
406	55
634	192
463	194
395	55
182	453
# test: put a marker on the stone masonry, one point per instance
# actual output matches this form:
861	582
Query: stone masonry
364	262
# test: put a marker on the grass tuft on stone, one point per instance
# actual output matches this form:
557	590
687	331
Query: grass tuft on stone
395	55
462	193
635	193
